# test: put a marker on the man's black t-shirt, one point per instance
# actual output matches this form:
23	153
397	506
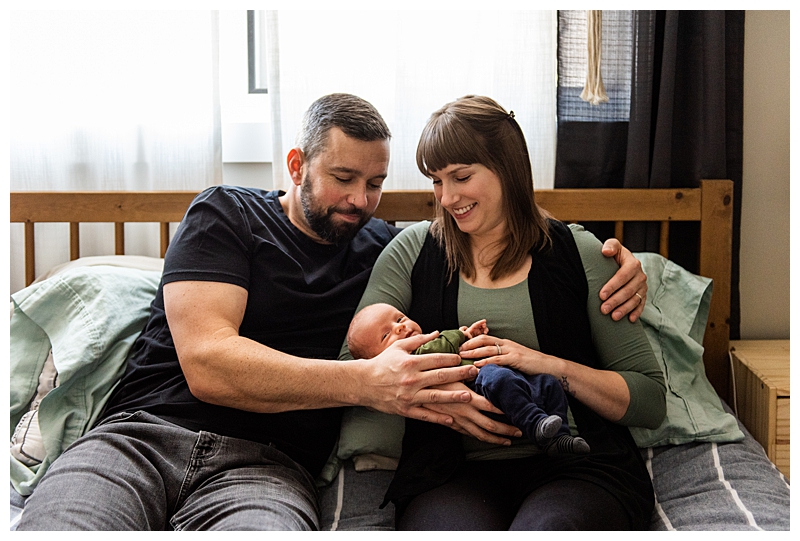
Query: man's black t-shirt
301	297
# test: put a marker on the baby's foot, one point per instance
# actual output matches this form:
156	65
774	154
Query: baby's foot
568	445
547	428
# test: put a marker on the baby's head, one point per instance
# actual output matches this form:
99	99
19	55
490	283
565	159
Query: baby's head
376	327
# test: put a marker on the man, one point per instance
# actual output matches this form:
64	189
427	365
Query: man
230	405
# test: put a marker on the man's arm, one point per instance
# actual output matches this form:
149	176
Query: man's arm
626	291
226	369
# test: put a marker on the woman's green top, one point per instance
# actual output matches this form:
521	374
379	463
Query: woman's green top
622	346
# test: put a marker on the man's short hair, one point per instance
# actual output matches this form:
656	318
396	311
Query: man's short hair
356	117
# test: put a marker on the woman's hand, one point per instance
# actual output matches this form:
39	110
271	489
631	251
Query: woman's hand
626	291
468	418
486	349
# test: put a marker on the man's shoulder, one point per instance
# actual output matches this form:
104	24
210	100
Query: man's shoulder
229	200
378	230
237	193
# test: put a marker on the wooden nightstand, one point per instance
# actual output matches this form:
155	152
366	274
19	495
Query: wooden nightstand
761	376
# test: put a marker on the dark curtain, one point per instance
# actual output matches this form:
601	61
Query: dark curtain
684	125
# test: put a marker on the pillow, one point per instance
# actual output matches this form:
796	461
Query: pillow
370	432
84	319
27	445
674	319
140	262
373	440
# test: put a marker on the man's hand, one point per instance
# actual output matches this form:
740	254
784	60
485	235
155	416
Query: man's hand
400	383
468	418
626	292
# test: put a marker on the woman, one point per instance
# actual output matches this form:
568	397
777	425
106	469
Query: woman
492	253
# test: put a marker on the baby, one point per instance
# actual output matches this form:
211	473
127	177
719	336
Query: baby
535	404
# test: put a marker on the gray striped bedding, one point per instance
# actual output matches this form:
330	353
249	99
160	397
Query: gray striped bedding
717	486
698	486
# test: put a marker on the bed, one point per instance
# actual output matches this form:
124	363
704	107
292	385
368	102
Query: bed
707	470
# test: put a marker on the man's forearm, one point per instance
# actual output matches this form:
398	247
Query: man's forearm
237	372
240	373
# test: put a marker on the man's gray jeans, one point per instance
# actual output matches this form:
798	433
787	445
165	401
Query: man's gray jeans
138	472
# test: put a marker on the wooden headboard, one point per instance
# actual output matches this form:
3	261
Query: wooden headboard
711	204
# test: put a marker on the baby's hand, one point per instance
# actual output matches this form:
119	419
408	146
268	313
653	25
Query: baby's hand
476	329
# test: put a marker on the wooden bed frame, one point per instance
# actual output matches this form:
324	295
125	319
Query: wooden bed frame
711	204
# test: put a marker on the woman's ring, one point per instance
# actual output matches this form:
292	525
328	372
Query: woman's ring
641	300
499	350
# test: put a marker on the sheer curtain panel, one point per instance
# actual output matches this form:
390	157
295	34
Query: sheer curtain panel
410	63
111	100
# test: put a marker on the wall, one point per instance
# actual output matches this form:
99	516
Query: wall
764	254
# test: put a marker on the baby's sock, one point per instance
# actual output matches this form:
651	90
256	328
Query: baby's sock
568	445
547	428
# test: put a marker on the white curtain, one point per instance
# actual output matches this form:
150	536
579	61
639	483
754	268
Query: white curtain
111	100
410	63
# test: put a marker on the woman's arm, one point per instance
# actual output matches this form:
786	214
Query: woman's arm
622	346
628	388
605	391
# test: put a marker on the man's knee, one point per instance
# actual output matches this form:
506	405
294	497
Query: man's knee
251	517
75	497
266	497
103	481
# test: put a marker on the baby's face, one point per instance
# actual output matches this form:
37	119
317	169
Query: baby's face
385	325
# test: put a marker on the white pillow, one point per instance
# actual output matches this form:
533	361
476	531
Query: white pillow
27	445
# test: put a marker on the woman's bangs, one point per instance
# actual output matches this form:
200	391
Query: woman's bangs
445	143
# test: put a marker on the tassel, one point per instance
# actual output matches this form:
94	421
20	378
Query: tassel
594	92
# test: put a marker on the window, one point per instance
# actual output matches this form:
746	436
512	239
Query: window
256	52
616	54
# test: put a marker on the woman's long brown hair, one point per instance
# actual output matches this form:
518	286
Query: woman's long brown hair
476	129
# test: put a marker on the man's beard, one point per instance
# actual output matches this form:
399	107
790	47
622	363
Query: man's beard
321	221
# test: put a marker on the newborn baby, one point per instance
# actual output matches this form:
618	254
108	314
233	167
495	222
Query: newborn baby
536	404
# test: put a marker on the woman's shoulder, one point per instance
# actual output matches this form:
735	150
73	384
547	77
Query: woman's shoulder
413	235
583	238
590	249
417	228
406	246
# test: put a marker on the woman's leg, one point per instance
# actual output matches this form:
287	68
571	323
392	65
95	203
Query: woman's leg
571	504
486	495
466	502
